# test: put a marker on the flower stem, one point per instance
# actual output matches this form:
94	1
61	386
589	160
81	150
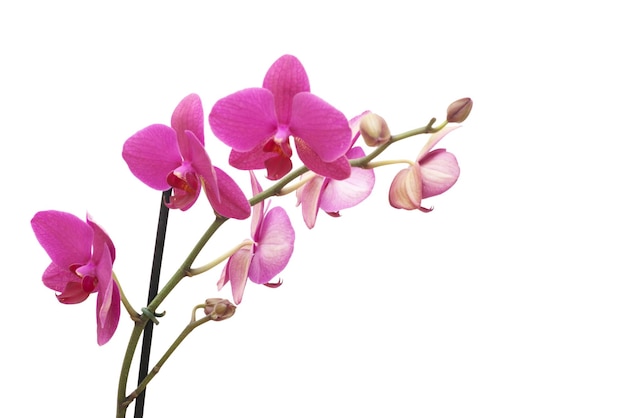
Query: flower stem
132	312
157	367
209	266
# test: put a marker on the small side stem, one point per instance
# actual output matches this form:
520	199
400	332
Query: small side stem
157	367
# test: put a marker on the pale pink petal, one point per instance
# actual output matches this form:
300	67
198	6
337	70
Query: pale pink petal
244	119
66	238
286	78
259	208
406	189
232	202
439	170
355	126
236	272
324	128
151	154
273	248
310	199
347	193
434	139
189	116
339	169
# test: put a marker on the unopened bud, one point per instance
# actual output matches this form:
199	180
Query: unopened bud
459	110
374	130
219	309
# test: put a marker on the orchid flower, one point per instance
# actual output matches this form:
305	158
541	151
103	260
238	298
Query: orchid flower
332	195
174	157
266	255
82	263
434	172
257	123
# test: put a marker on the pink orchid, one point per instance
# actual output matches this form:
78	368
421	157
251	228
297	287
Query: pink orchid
82	263
258	123
266	255
174	157
333	195
433	173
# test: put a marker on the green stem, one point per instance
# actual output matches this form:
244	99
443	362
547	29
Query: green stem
157	367
128	358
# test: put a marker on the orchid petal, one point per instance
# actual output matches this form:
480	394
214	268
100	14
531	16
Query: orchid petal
310	199
286	78
57	278
189	116
324	128
151	154
104	273
278	167
355	126
200	161
232	202
338	169
101	241
273	247
259	208
434	139
250	160
244	119
66	238
439	170
186	185
73	293
108	324
405	191
339	195
236	271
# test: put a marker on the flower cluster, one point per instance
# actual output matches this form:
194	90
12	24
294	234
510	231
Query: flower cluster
261	126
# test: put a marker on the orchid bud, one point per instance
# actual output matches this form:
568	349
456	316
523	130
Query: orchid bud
374	130
219	309
459	110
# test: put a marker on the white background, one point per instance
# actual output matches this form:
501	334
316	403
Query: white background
506	301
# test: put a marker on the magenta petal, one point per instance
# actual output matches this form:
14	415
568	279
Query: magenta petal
189	116
101	241
273	247
66	238
339	169
244	119
286	78
199	159
324	128
232	202
440	170
57	278
151	154
250	160
108	319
